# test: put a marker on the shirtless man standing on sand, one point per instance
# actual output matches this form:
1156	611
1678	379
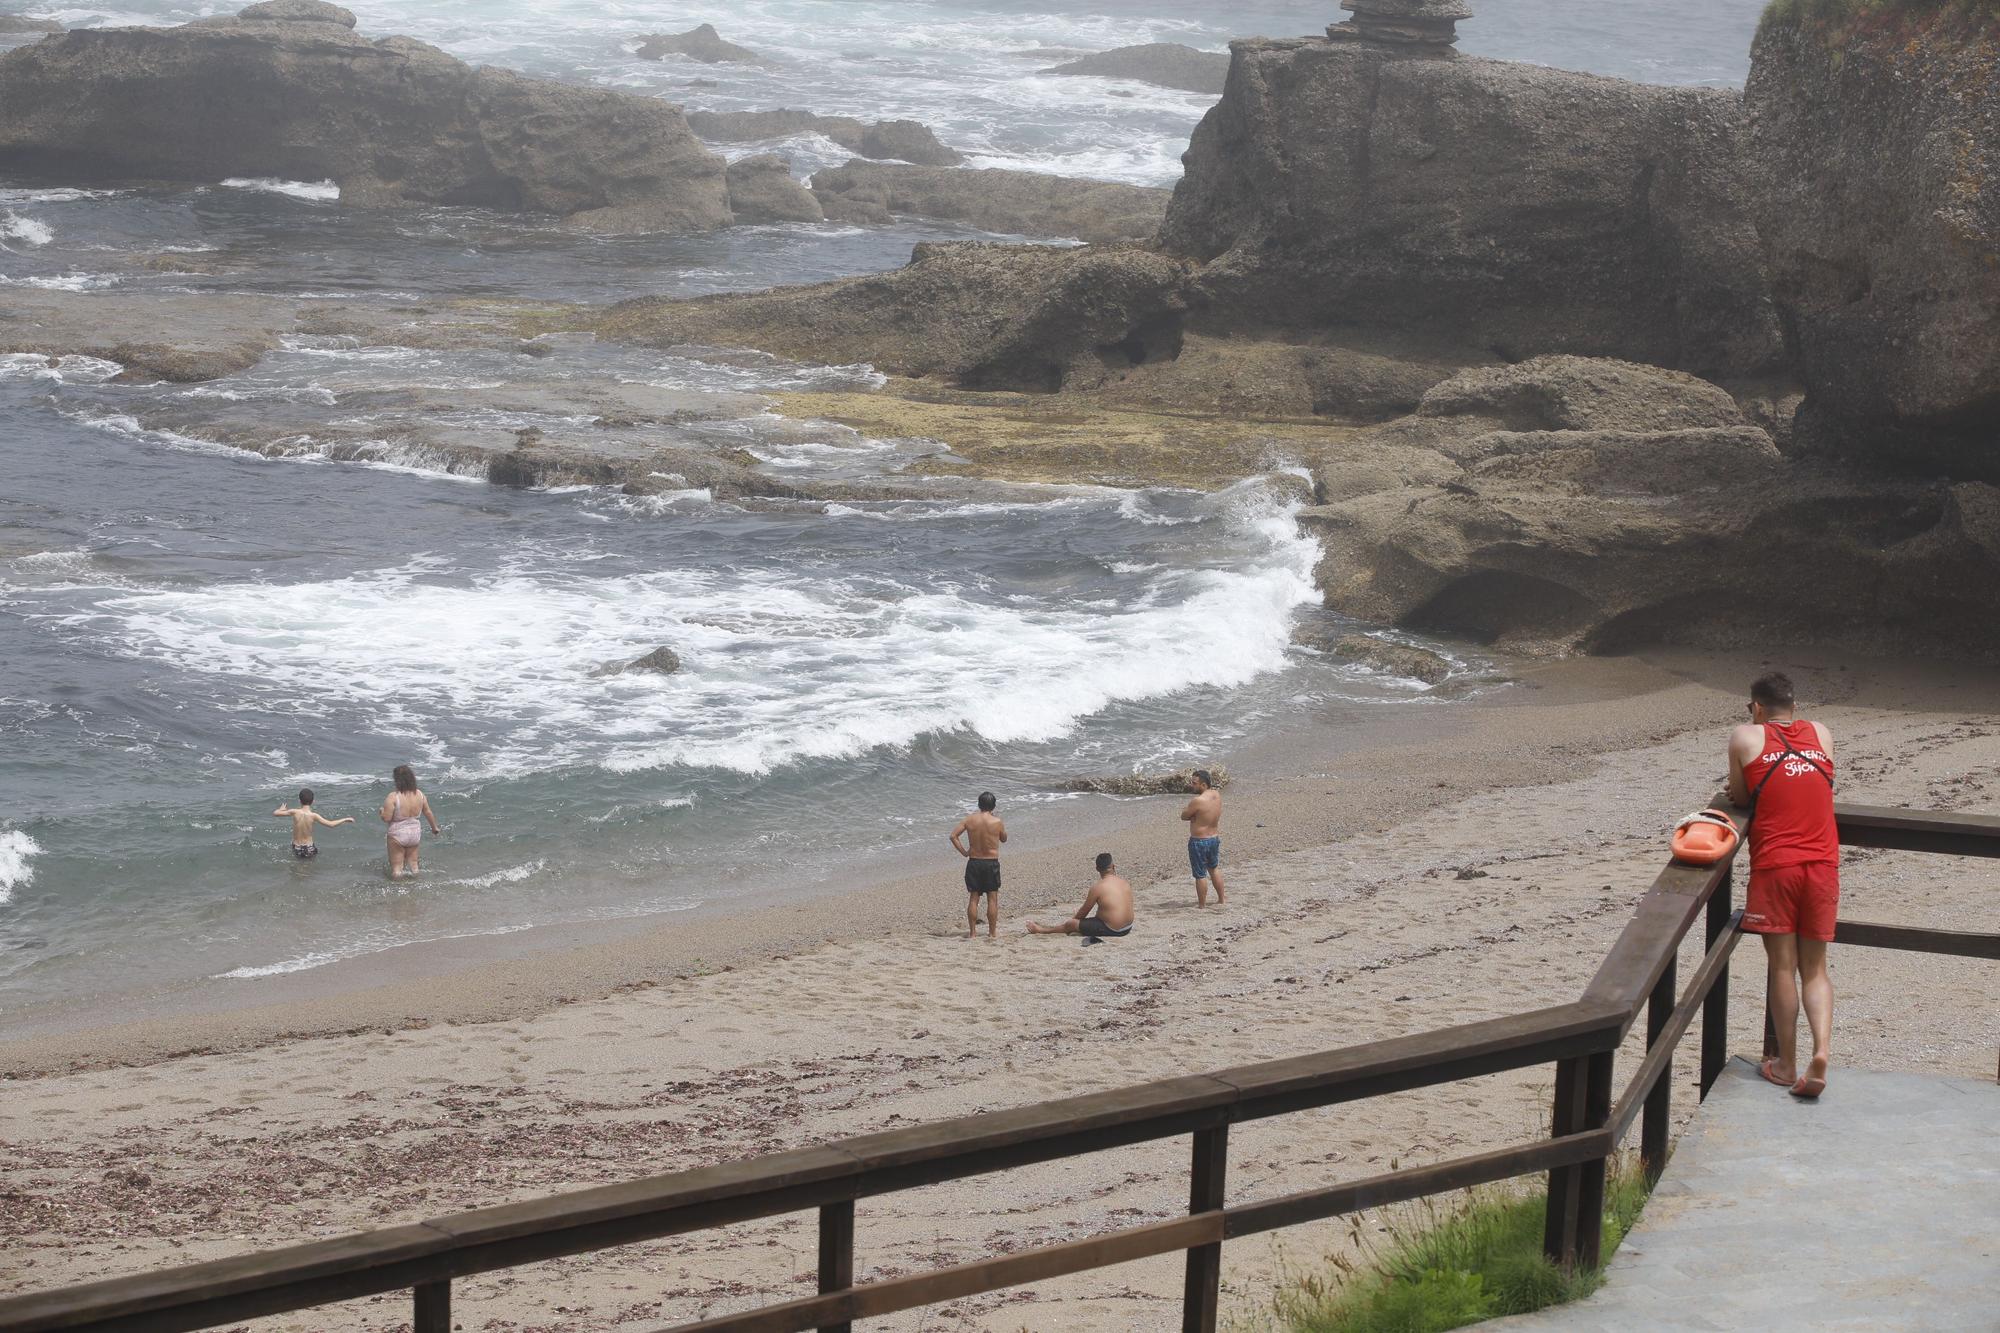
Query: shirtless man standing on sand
983	833
1111	901
1203	816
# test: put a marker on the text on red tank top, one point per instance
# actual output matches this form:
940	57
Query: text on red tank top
1792	781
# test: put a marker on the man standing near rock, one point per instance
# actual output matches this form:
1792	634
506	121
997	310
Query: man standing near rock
1203	816
1781	767
983	833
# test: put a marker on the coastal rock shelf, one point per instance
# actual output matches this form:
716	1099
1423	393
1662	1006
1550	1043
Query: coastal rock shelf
288	89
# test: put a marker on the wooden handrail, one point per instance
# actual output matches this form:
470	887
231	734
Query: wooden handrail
1579	1037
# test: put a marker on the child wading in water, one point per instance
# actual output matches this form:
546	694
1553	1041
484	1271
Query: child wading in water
303	818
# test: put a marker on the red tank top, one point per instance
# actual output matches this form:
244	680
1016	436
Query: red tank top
1792	822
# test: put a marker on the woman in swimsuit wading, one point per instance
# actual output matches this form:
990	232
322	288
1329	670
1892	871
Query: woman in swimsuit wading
404	812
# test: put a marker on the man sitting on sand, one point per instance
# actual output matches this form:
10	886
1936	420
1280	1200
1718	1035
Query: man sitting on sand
1781	767
983	833
1110	898
1204	820
304	817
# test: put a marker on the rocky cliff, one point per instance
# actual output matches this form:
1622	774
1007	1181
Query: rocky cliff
1876	133
289	89
1528	210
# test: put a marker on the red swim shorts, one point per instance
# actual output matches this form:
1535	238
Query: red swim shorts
1794	900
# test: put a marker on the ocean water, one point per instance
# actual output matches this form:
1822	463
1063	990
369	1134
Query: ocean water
213	594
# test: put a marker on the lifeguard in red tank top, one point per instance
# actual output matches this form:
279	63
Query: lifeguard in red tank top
1791	780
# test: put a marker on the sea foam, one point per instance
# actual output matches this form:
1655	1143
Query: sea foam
315	192
17	850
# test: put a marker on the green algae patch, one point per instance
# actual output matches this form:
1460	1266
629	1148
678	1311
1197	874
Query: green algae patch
1056	439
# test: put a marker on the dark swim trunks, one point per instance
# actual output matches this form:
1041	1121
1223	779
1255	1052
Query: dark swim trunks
982	876
1204	855
304	851
1093	929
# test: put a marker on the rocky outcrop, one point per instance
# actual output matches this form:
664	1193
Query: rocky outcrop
1410	23
762	189
895	140
1528	210
977	316
1395	659
1145	784
1678	530
1025	203
659	662
289	89
1583	393
1876	135
703	43
1167	64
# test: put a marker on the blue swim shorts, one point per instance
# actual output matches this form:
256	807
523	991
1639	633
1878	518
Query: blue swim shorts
1204	855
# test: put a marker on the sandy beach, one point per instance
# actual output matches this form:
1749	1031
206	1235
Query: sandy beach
1474	871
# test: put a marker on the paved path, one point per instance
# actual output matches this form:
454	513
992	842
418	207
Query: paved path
1876	1208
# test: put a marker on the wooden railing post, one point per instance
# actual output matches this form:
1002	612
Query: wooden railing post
433	1313
1565	1118
1715	1009
1202	1298
836	1253
1574	1226
1659	1101
1590	1176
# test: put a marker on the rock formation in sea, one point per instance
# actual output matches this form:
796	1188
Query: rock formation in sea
1876	136
1409	23
289	89
1026	203
703	43
1167	64
1017	317
894	140
762	189
1528	210
14	25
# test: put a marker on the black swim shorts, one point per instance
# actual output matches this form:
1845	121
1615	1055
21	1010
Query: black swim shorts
305	851
982	876
1093	929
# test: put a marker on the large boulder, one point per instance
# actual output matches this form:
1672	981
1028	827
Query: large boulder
1670	530
289	89
1024	203
762	189
1876	133
979	316
1527	210
1582	393
1167	64
901	140
703	43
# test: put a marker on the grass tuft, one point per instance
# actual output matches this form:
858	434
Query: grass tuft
1452	1263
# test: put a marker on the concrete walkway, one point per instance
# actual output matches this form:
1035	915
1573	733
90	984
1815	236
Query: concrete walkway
1877	1207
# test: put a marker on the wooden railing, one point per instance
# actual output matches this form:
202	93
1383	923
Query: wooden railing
1580	1039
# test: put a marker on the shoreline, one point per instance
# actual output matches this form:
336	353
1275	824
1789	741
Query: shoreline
1277	804
1492	894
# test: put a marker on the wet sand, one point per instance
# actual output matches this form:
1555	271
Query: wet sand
1476	865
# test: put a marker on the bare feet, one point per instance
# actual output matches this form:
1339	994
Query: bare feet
1769	1069
1813	1082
